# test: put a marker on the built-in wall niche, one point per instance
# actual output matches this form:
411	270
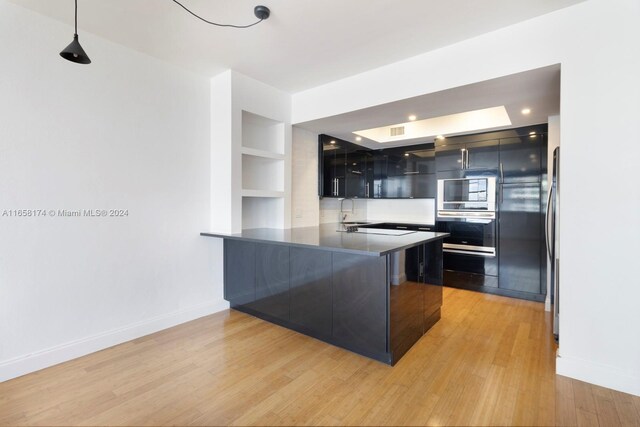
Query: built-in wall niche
262	212
263	172
261	135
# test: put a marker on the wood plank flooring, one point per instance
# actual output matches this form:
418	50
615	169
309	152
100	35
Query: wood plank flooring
488	361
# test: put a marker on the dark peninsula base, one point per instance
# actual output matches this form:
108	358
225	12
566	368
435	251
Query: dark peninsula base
342	297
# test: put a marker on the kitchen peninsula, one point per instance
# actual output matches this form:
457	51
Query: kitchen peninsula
336	286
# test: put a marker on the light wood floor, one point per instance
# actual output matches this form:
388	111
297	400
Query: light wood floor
490	360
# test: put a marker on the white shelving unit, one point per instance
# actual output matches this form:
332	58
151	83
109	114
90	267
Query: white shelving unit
263	172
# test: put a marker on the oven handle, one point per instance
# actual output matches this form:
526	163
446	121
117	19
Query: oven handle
466	214
482	254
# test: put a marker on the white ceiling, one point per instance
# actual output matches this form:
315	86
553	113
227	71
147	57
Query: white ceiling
538	90
305	43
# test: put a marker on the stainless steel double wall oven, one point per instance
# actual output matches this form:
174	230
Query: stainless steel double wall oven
466	208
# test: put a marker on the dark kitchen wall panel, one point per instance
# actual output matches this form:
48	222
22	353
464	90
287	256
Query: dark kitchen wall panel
359	301
239	271
311	290
272	280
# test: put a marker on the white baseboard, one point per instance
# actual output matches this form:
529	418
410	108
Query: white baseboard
26	364
595	373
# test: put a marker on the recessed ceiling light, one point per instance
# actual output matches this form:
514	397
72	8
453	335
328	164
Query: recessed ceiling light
358	138
533	132
332	142
440	137
406	154
412	117
526	110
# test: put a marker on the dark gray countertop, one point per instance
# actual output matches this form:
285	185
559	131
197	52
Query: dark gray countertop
326	237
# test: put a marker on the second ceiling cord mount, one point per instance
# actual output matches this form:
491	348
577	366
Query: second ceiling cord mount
261	12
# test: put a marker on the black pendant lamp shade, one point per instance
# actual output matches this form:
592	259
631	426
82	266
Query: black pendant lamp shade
74	52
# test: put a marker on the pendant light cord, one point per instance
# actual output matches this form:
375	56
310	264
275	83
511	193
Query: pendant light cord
76	19
214	23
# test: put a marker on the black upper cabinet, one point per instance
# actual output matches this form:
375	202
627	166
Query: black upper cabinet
483	155
350	170
358	165
453	155
334	152
449	157
521	158
410	172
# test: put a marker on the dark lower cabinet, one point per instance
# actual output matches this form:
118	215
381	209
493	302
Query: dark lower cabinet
272	280
359	302
239	271
433	279
519	238
342	298
406	316
311	290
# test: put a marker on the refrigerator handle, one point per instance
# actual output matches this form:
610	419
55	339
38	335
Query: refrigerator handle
546	225
462	158
467	154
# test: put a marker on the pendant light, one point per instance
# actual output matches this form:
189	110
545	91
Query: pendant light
74	52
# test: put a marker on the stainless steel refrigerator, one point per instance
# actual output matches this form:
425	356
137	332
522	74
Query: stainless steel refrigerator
551	231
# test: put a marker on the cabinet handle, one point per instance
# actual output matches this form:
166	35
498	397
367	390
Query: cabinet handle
501	172
367	190
335	186
401	227
424	228
462	158
467	153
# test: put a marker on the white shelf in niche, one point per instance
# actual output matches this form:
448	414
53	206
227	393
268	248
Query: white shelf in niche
262	193
262	134
262	153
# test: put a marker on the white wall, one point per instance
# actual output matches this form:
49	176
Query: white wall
304	184
125	132
596	43
416	211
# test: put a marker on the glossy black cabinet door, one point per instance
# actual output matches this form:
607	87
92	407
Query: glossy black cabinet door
333	159
380	163
406	312
272	280
450	157
424	185
520	158
239	271
520	238
359	301
483	155
433	277
356	174
311	290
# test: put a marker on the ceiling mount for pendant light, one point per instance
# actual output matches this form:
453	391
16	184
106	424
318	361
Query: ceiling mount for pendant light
74	52
261	12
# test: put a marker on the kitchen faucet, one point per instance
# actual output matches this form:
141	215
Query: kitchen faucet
343	214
